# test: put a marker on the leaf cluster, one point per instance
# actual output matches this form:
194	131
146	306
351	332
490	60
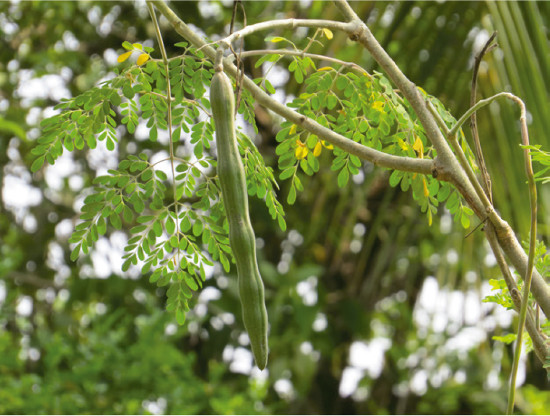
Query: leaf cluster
542	157
177	225
366	109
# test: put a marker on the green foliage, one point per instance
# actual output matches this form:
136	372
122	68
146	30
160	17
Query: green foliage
533	401
366	109
116	364
503	298
177	225
175	240
260	179
156	365
81	120
540	156
298	65
507	339
246	108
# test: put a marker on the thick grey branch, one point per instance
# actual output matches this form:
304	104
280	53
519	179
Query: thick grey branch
445	157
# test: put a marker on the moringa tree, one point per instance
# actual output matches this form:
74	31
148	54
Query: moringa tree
180	222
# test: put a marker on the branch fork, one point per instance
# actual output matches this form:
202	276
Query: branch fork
447	166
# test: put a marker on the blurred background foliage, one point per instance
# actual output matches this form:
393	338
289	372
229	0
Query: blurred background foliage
371	310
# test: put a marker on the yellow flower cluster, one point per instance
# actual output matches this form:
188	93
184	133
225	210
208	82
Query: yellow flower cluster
143	57
302	150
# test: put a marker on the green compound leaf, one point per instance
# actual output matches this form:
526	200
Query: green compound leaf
343	177
38	163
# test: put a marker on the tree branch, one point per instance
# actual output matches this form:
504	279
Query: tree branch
445	165
446	162
287	24
450	134
168	99
424	166
445	157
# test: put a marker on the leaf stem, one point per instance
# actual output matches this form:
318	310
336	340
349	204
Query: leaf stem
289	52
169	104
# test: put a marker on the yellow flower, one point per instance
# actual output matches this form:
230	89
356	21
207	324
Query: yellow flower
319	146
425	185
379	106
418	147
317	149
301	153
301	150
124	56
327	33
144	57
292	129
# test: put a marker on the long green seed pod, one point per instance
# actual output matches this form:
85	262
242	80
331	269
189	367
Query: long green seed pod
235	198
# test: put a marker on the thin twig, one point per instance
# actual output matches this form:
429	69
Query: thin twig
531	258
286	23
351	65
233	14
240	80
480	224
239	62
479	105
473	119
